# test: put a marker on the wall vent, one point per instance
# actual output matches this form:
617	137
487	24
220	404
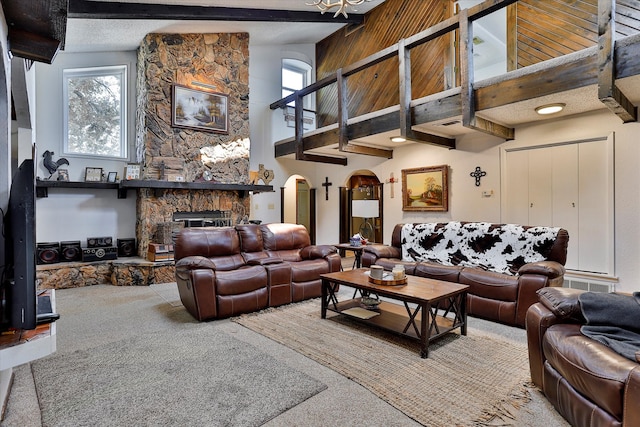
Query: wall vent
589	284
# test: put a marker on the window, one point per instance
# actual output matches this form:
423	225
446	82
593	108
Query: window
95	111
295	76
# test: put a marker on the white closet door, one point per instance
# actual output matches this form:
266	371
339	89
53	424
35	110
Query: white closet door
516	187
540	187
596	206
565	197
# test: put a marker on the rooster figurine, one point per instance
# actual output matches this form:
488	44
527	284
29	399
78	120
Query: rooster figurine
52	166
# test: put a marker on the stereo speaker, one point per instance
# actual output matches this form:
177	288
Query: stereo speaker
127	247
47	253
70	251
99	242
99	254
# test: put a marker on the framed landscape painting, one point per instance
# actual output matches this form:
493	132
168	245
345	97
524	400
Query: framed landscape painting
425	189
199	109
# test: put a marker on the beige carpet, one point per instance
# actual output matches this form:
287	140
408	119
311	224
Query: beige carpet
484	377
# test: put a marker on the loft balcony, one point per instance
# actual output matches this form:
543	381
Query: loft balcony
604	75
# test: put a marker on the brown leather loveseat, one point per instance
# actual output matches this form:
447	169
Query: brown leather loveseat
503	264
226	271
587	382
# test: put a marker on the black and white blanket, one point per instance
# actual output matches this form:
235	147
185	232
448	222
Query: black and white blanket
502	248
613	320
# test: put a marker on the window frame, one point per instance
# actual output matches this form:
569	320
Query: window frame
122	71
302	68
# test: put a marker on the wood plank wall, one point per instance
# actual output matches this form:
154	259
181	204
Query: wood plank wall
538	29
548	29
378	87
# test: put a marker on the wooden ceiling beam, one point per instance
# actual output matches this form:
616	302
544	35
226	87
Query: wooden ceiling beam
608	93
367	151
28	45
37	28
86	9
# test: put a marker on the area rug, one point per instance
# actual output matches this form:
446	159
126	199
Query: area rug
478	379
200	376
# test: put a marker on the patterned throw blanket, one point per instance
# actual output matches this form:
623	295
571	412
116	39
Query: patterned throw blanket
502	248
613	320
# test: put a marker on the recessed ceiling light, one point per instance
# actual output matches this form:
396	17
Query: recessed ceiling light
398	139
550	108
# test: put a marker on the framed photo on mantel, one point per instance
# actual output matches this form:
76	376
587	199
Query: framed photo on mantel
93	175
132	171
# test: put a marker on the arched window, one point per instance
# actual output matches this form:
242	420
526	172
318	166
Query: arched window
296	74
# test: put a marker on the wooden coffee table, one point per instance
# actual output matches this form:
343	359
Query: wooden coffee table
421	322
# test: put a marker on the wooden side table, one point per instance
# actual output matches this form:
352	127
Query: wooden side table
357	252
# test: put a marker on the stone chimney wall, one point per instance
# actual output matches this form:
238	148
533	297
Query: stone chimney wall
219	63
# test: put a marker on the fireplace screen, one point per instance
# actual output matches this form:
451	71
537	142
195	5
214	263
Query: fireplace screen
204	218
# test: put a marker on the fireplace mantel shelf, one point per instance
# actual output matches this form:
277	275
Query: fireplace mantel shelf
42	187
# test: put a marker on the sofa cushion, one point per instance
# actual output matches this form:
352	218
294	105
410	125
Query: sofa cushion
488	284
240	281
207	242
304	271
591	368
278	236
449	273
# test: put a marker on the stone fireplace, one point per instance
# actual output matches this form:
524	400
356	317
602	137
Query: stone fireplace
213	62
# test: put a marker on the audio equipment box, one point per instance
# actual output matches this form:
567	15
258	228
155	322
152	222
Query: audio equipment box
70	251
99	242
47	253
160	252
126	247
99	254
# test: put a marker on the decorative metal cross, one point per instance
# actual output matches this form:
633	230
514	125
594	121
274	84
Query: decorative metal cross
391	181
326	185
477	174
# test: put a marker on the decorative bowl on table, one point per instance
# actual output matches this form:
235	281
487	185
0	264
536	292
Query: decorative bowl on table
369	302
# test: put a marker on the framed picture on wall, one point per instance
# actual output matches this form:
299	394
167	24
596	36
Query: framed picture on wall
426	189
199	109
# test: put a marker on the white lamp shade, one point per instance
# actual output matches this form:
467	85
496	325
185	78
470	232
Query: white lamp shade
365	208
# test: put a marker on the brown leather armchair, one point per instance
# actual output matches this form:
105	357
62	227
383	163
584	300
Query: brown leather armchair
588	383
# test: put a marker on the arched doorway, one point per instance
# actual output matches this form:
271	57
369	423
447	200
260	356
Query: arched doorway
298	204
361	207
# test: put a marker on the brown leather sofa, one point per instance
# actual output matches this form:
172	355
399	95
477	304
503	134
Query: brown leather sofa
226	271
497	296
587	382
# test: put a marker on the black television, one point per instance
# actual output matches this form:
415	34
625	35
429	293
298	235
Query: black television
20	299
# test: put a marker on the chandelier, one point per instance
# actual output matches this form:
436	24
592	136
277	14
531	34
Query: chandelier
325	5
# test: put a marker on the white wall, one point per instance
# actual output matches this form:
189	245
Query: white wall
75	214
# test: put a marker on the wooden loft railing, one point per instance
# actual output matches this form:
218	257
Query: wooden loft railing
601	65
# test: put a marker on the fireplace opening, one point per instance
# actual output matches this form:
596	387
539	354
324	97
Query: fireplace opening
205	218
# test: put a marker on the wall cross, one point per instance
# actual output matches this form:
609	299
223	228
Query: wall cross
326	185
477	174
392	180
